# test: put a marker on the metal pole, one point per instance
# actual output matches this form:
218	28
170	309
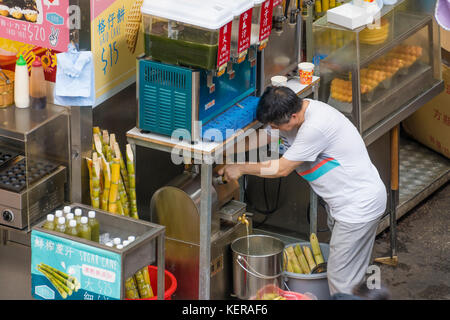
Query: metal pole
161	265
205	232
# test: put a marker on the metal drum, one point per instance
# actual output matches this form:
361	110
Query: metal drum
257	264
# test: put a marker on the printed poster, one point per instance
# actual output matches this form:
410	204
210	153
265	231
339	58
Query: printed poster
42	23
62	269
116	41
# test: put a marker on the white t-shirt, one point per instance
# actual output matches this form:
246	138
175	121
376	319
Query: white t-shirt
336	164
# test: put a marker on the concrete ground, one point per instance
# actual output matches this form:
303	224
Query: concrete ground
423	249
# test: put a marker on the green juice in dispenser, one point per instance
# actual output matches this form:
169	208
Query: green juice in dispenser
84	229
95	226
50	223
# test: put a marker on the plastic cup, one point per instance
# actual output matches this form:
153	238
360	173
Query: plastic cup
305	71
279	81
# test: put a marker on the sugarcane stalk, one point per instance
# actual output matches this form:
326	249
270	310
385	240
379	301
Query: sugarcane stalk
98	144
301	259
309	257
289	267
107	183
64	281
132	182
123	169
119	205
95	182
64	275
295	265
143	288
89	165
131	291
316	248
147	279
115	174
62	289
96	130
123	198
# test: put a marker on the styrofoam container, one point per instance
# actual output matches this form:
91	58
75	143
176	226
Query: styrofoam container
279	81
317	284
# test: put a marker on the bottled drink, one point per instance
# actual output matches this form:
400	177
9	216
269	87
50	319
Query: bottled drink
78	216
125	243
50	223
116	241
131	238
58	214
84	229
95	226
38	85
21	84
72	229
119	246
109	244
61	226
69	217
67	209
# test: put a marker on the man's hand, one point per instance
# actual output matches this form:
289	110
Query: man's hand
230	172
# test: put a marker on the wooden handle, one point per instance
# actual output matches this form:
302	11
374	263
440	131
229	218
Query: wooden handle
394	157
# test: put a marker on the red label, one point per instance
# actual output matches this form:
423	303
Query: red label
266	20
223	54
277	2
245	25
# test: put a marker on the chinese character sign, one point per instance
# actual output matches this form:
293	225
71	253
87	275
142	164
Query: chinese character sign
114	62
245	25
65	269
266	20
223	54
43	23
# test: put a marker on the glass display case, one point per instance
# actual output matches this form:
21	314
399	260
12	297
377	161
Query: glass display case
34	165
379	74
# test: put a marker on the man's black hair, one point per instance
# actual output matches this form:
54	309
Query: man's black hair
277	105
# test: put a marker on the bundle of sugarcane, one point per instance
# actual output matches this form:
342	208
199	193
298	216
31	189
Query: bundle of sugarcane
112	181
63	283
303	259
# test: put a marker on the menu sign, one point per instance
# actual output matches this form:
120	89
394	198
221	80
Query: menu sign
266	20
223	54
43	23
245	24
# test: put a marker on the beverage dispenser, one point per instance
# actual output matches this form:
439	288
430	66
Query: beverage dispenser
182	79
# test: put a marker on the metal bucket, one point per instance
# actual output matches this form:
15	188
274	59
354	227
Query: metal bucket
257	263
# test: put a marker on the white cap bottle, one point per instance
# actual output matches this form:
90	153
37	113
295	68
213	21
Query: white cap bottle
131	238
109	244
58	213
67	209
125	243
72	223
61	220
50	217
116	241
78	212
84	220
119	246
69	216
91	214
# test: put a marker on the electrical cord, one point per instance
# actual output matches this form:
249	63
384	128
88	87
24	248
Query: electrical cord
267	212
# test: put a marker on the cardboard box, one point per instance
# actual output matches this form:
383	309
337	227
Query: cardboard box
430	125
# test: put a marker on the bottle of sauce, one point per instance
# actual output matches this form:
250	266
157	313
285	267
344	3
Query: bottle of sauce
72	229
95	226
84	229
50	223
61	226
38	86
21	84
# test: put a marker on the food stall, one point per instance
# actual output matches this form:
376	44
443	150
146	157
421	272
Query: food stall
177	83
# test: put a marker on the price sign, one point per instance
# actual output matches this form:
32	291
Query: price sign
266	20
